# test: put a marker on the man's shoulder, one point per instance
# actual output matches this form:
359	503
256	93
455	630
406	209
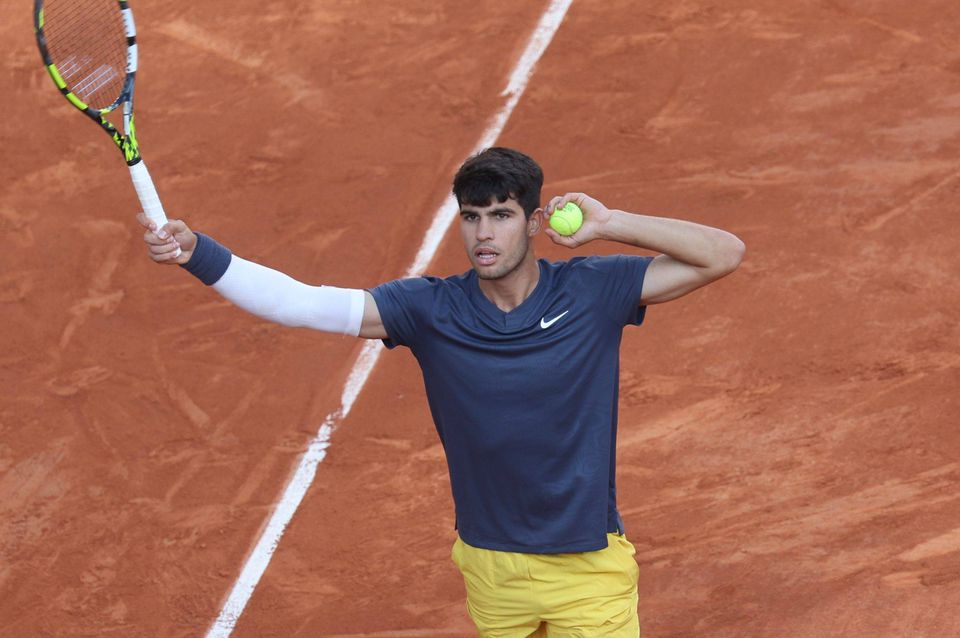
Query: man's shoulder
422	286
597	275
583	265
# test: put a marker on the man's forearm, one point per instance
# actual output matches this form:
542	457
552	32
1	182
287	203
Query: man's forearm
273	295
700	246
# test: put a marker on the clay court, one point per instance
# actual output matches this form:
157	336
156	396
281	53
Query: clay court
789	452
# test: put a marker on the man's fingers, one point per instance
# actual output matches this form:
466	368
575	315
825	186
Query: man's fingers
553	205
153	239
153	236
146	222
166	253
165	234
562	200
174	226
165	249
560	239
162	244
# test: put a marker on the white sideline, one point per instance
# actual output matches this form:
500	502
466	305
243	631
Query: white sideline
306	469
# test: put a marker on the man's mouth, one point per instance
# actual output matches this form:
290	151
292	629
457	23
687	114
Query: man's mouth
485	256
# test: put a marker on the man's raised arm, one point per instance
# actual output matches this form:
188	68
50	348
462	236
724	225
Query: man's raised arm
264	292
692	255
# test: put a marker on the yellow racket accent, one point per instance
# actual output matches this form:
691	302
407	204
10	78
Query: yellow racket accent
131	149
58	79
55	74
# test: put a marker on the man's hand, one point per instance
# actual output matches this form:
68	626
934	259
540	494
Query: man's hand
595	216
163	243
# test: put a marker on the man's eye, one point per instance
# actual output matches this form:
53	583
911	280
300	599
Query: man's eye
502	215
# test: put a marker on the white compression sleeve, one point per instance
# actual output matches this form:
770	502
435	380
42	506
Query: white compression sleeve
274	296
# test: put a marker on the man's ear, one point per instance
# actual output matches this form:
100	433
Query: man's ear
535	222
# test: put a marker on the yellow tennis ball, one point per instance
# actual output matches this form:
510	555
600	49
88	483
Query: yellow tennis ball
567	220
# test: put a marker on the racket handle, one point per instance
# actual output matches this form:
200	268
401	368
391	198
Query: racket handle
147	193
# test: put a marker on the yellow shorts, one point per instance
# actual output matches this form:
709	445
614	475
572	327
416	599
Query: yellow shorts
582	595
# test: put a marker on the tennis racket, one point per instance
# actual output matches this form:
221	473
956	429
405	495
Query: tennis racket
90	50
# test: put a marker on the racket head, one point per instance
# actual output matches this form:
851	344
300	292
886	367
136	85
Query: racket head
89	50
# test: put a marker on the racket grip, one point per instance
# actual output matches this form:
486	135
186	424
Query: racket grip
147	193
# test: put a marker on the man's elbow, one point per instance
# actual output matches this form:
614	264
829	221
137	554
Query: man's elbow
730	253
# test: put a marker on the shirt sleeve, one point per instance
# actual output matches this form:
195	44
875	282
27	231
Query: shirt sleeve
405	307
622	286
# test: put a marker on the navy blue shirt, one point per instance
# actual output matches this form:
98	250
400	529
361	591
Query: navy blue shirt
525	402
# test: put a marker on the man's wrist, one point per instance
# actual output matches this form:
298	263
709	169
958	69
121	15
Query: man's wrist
615	227
209	260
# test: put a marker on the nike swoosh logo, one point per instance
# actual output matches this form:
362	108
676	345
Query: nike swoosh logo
546	324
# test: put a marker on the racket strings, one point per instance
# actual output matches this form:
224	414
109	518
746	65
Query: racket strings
88	44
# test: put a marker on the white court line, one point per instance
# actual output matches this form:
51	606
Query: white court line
307	468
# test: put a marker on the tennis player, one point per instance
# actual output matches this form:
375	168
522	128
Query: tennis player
541	545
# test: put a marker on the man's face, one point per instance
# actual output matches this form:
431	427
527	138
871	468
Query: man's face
496	236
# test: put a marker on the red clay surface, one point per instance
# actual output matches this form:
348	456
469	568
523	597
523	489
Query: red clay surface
789	451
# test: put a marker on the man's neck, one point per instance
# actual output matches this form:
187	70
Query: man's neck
511	290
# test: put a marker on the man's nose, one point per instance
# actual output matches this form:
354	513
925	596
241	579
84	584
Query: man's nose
484	229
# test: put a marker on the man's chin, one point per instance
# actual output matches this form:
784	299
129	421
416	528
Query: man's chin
494	271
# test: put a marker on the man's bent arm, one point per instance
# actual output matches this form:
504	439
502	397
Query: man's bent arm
692	255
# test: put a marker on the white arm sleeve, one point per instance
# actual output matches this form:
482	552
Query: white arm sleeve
274	296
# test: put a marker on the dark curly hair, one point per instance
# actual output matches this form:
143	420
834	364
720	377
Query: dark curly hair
499	173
